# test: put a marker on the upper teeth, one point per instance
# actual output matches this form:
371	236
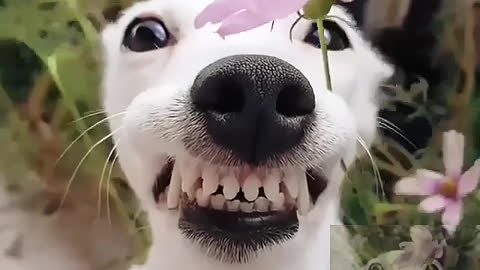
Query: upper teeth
282	188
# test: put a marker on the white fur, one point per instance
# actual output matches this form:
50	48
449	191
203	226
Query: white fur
151	86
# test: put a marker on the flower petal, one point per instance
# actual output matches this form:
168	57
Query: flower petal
242	15
423	173
420	234
450	229
240	22
220	10
409	186
406	245
453	147
433	204
453	213
277	9
469	180
439	249
429	180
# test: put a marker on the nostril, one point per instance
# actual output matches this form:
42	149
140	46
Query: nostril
222	96
295	101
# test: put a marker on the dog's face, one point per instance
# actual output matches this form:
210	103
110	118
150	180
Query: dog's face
234	146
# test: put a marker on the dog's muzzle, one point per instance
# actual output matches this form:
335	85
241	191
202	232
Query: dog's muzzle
255	110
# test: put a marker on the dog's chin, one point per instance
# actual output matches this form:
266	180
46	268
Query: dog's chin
232	213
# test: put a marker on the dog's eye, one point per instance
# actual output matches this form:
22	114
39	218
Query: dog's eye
146	34
335	37
375	266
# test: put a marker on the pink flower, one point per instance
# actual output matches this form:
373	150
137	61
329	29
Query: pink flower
421	249
445	192
238	16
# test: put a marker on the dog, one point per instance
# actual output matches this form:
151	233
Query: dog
235	147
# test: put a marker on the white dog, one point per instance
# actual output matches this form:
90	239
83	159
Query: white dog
234	147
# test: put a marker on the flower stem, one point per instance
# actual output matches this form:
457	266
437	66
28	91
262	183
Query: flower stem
321	35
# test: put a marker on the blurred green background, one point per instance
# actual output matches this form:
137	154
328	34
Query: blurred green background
49	95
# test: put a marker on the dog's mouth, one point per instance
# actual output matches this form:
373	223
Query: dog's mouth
233	212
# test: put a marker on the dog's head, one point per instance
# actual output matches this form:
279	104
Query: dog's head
234	146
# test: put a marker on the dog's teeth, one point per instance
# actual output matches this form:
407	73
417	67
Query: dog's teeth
218	201
210	180
279	203
303	200
202	199
174	189
271	185
246	207
190	174
230	187
261	204
233	206
250	187
291	181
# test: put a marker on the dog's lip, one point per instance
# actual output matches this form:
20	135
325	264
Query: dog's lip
222	221
163	179
234	237
316	182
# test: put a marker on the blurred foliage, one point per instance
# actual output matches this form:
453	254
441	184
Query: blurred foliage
449	105
49	82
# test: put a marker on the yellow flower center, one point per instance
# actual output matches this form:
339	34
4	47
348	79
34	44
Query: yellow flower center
449	188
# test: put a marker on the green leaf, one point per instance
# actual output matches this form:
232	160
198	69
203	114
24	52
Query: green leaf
317	9
383	208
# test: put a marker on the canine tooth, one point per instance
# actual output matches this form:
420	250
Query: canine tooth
233	206
290	180
279	203
210	180
246	207
174	189
202	199
261	204
250	187
303	200
218	201
271	185
190	174
230	187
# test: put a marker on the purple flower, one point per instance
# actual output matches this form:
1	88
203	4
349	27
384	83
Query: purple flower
445	192
421	249
238	16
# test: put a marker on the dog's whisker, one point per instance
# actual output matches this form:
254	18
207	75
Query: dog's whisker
77	168
88	115
387	125
104	170
109	180
85	132
376	171
389	128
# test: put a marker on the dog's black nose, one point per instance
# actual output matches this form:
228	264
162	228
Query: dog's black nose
256	106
